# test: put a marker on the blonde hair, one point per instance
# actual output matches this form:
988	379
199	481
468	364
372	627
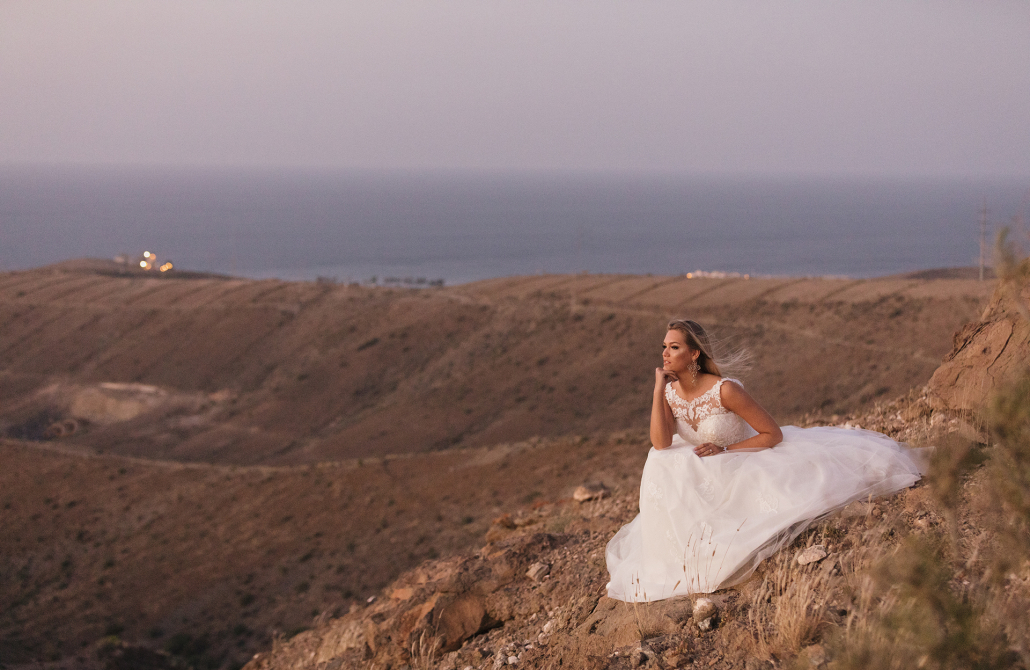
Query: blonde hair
712	361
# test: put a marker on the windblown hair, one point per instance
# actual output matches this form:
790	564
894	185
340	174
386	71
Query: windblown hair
712	360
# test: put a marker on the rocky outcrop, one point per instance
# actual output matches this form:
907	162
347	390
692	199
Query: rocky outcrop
526	600
987	354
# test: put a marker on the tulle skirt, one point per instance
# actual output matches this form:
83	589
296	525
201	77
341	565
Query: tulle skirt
706	523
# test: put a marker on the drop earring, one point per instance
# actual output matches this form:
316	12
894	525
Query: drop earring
693	367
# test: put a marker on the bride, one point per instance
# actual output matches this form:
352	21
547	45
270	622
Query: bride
724	487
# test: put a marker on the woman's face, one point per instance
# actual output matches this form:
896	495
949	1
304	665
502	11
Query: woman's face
676	355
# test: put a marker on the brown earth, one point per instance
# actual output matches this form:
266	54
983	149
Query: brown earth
196	463
214	561
483	608
271	372
988	355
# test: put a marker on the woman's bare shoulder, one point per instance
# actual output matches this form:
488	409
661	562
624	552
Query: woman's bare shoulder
732	392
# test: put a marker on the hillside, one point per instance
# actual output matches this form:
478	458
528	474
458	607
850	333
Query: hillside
268	372
203	463
226	556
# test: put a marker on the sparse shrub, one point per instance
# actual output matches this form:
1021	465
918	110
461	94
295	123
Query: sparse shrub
907	615
931	603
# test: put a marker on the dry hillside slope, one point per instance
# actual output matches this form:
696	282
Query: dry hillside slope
268	372
226	557
198	463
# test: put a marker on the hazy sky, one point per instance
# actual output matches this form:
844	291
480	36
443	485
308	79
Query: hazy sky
881	88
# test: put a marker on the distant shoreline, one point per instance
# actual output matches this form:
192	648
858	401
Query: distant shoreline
109	267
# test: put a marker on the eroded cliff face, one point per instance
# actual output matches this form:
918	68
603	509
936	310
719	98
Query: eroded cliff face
987	354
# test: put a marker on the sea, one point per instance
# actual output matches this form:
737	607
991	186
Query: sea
460	227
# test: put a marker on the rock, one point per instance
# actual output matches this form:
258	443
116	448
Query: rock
816	654
512	660
816	552
986	355
705	624
538	571
704	609
590	492
461	619
639	656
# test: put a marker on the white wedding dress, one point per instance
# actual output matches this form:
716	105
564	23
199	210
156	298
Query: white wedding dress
706	523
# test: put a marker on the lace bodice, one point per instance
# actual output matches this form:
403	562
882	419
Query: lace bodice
704	419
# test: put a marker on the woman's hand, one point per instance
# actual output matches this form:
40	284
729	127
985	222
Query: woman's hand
707	449
662	377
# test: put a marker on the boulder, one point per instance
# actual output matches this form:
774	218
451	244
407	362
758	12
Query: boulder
987	355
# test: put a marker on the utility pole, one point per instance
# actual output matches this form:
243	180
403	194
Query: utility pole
983	238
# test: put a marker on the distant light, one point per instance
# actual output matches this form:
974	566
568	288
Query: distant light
166	267
143	264
146	254
690	275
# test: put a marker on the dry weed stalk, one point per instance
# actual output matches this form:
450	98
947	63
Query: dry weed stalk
789	610
649	624
423	652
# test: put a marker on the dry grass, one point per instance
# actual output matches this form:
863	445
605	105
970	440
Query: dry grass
424	652
956	596
789	610
650	623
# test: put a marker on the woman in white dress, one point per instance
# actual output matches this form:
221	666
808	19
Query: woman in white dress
724	487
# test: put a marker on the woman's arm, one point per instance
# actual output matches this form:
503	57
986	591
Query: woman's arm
662	420
737	400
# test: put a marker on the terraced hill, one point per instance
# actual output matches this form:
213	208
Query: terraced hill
223	370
